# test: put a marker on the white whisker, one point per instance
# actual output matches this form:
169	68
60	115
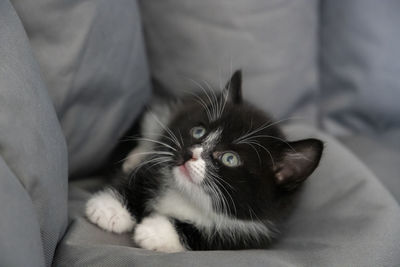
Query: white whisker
218	180
258	154
203	103
215	192
180	136
160	162
171	134
132	175
215	98
273	137
208	96
155	141
224	99
260	128
146	153
160	135
263	147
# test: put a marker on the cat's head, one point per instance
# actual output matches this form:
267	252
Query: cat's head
232	153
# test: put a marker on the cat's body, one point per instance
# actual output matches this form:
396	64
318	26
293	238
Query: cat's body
211	172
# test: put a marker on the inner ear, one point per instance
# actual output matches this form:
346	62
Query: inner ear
297	163
234	87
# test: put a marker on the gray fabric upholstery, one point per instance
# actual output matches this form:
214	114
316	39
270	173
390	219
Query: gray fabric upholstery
274	42
33	155
383	160
345	217
93	61
360	85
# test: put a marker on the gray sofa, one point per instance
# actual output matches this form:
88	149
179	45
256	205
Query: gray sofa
75	75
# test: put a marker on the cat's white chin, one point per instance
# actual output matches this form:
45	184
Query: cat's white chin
182	176
184	172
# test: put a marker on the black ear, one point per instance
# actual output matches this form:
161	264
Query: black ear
298	162
234	87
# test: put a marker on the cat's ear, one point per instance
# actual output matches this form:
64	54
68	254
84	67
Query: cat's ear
233	87
297	163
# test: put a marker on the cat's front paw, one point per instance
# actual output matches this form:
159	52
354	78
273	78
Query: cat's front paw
106	210
157	233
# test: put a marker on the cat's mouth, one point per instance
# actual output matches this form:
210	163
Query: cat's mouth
185	172
191	170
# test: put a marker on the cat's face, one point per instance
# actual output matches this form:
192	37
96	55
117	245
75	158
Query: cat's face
236	155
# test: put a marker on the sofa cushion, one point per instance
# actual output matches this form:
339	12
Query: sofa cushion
274	42
360	69
93	61
383	159
33	154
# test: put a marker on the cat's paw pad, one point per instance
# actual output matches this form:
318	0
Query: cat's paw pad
106	210
158	234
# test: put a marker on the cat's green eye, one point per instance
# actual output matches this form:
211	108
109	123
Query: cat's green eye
230	159
198	132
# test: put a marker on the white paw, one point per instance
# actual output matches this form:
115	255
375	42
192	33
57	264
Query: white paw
157	233
106	210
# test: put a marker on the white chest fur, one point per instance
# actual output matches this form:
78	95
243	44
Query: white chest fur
176	205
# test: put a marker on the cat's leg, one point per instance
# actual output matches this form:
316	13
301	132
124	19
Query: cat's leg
157	232
213	239
107	209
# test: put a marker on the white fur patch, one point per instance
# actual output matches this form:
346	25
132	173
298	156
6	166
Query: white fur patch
197	152
197	209
196	169
159	112
135	156
106	210
196	166
157	233
212	139
152	124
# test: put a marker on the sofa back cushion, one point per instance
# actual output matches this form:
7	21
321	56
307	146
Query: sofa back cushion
274	42
360	70
92	58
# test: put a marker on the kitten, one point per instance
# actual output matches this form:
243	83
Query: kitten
211	172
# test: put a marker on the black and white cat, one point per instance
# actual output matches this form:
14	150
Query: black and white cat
211	172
